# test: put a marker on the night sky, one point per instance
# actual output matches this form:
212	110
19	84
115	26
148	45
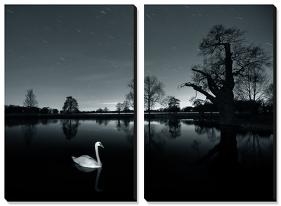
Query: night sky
173	34
58	51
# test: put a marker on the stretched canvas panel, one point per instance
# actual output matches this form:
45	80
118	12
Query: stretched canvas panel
70	132
210	103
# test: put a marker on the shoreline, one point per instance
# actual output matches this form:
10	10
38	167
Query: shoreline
72	116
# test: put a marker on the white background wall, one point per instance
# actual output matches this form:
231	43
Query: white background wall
140	6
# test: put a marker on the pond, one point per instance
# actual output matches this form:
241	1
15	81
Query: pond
39	166
187	160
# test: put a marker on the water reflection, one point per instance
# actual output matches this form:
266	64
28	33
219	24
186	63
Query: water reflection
89	170
48	121
29	132
209	131
249	142
196	147
67	182
215	162
102	121
174	127
124	126
255	147
70	128
225	152
154	139
11	122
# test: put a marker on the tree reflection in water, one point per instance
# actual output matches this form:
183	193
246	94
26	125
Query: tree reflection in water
174	127
29	132
70	128
231	139
102	121
196	147
237	149
48	121
217	162
124	126
255	146
154	139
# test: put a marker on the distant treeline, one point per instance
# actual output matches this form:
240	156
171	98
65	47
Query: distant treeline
242	106
11	109
15	109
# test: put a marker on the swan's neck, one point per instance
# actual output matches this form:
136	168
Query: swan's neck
97	154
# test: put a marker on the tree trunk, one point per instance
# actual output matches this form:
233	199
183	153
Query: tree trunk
225	99
225	104
149	106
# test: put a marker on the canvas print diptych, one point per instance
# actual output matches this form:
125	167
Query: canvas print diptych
70	132
209	98
209	103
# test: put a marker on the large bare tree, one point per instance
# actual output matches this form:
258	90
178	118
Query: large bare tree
227	56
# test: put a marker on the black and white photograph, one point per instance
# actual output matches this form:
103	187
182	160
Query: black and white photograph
70	112
209	102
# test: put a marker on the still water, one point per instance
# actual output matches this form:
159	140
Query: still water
39	167
188	161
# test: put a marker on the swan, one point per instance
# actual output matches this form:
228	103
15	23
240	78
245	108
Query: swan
87	161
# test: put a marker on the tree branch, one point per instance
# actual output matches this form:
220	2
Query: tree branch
212	86
199	89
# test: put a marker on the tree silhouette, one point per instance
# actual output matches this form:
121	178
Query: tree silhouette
45	110
55	111
269	92
173	104
226	59
119	107
30	99
251	86
126	106
70	105
153	92
130	95
99	110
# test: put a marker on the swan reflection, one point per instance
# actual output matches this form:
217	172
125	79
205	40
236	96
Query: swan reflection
89	170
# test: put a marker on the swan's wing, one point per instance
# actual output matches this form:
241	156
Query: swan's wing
86	161
85	169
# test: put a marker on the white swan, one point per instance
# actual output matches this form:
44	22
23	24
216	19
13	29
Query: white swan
87	161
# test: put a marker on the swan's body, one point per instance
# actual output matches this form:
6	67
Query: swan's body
87	161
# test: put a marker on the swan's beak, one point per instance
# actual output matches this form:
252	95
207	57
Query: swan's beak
101	145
